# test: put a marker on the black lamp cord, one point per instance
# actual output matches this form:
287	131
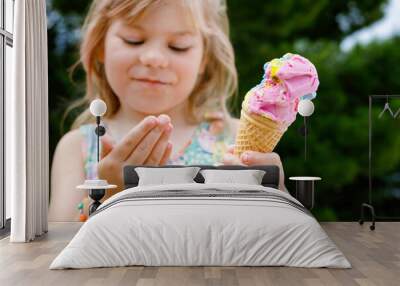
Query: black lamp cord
98	138
305	138
370	150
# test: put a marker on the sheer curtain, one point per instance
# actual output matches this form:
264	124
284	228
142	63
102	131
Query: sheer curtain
27	141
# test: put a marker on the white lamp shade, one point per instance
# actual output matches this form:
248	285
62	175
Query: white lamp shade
95	184
98	107
306	107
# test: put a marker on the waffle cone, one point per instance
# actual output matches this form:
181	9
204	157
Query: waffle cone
257	133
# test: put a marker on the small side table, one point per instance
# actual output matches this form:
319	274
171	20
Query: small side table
97	190
305	190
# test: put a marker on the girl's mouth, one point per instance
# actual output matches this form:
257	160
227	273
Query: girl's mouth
150	81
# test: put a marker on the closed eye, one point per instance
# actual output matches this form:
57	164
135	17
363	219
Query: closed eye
174	48
133	43
179	49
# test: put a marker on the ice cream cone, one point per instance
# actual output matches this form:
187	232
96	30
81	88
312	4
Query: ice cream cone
270	108
256	132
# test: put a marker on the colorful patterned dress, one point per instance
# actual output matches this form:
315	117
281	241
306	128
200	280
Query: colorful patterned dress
207	146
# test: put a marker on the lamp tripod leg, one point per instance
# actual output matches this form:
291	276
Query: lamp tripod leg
96	195
371	208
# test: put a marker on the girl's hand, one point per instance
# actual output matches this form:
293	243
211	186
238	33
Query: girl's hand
250	158
146	144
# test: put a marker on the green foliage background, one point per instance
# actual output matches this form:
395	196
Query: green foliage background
262	30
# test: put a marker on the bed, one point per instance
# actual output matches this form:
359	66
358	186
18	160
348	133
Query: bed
202	222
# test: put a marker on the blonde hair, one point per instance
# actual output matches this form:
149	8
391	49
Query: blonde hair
217	83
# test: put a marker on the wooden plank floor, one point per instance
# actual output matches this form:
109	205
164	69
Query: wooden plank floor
374	255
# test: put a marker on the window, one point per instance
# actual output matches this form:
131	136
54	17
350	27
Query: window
6	44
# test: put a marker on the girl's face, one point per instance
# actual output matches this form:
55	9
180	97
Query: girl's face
152	65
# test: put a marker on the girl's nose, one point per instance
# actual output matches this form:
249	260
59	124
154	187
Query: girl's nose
154	57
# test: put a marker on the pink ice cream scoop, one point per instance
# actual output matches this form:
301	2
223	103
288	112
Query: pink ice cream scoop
285	82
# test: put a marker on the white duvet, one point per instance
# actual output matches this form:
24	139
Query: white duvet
207	230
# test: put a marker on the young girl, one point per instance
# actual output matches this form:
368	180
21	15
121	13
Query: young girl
164	69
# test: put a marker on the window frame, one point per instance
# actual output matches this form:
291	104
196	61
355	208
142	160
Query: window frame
6	39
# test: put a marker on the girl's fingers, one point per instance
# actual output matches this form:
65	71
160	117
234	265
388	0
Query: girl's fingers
146	145
158	151
106	146
258	158
167	154
123	149
230	149
230	159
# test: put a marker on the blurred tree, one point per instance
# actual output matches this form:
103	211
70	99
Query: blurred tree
266	29
289	20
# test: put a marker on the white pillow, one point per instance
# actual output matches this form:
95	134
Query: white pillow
250	177
162	176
